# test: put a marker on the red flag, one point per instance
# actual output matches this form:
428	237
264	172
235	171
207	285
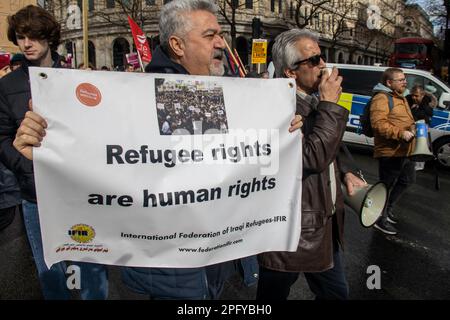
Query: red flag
140	41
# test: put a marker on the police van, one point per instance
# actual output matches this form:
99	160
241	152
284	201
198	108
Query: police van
357	90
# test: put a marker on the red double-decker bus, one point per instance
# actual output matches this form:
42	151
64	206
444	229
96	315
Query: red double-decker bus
416	53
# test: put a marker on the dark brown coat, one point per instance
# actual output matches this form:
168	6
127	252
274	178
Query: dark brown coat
323	128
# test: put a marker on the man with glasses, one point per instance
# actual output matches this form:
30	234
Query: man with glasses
394	140
296	54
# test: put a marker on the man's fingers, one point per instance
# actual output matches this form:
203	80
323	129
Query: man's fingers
296	123
297	119
30	105
334	74
26	140
36	118
349	187
31	127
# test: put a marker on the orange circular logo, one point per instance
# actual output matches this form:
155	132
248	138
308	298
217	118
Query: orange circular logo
88	94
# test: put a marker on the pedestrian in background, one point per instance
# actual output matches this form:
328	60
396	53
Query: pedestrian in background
393	142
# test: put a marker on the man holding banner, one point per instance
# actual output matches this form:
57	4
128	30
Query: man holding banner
37	34
191	43
296	54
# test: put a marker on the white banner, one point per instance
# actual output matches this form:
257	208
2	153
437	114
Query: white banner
122	181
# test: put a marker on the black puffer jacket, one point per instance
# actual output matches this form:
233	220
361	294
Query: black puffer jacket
15	93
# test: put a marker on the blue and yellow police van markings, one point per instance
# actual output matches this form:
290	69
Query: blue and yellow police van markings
356	104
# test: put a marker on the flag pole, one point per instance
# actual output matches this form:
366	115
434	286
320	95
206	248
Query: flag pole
241	73
85	34
240	61
140	61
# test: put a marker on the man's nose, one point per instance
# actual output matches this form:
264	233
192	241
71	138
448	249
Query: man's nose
220	43
322	63
27	42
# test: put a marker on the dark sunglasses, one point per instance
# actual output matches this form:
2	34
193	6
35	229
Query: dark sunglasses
314	60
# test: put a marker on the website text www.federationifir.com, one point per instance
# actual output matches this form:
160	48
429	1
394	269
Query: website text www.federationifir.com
207	249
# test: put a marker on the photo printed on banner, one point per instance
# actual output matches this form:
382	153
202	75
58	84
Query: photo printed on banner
187	107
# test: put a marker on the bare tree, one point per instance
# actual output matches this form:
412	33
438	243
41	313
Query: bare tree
341	19
114	12
228	10
302	17
437	12
364	38
138	10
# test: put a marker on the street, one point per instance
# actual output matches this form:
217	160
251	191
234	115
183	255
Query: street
415	264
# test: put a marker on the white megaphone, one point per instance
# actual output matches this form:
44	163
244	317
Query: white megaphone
422	151
368	202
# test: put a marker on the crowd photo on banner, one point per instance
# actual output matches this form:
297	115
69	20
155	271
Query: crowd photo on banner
396	116
193	108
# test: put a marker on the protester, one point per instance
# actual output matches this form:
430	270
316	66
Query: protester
191	43
421	103
37	34
129	68
394	141
296	54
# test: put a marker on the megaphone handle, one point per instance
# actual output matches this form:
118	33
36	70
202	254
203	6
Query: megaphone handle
360	174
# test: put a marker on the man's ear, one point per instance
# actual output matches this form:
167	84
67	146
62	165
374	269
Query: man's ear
290	73
177	46
389	83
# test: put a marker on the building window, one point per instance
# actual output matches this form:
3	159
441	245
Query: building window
248	4
150	2
90	5
280	6
120	48
91	50
291	11
272	5
166	1
110	4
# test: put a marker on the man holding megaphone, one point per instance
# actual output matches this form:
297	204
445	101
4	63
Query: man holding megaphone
297	55
393	128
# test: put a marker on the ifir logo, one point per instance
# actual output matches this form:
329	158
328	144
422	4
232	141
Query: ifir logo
82	233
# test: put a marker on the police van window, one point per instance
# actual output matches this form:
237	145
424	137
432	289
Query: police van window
413	80
429	85
359	81
434	88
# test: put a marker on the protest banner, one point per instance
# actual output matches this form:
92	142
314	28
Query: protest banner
122	181
133	59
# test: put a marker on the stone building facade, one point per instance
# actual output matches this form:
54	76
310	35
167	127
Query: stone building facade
351	31
417	22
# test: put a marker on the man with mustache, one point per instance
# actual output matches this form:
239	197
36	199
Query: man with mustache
191	43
